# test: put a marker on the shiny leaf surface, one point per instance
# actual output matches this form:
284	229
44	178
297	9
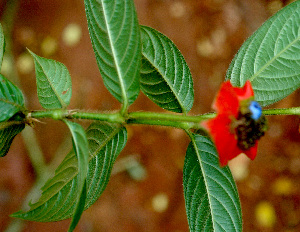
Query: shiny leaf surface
58	199
115	36
211	197
53	81
11	99
270	57
165	77
81	150
7	134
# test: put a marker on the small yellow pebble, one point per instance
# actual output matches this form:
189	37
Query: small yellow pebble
72	34
265	214
48	46
205	47
160	202
283	186
178	9
274	6
25	63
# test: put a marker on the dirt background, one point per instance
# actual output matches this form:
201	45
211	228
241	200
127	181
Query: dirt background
150	198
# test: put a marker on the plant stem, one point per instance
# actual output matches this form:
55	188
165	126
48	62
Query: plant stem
109	117
174	120
34	151
17	224
169	117
150	118
60	114
30	140
283	111
7	22
182	125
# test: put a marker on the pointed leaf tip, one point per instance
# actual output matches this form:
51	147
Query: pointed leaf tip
116	42
54	86
211	197
11	99
270	57
81	149
106	141
165	76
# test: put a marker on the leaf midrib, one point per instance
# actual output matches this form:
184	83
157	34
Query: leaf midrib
271	60
20	107
193	139
61	101
172	89
73	166
122	84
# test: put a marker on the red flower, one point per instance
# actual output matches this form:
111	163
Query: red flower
239	122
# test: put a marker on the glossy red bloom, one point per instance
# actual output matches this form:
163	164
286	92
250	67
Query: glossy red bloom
239	122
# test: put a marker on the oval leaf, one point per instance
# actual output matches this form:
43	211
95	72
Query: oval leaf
2	45
58	199
270	57
211	197
115	38
165	77
53	82
81	149
11	99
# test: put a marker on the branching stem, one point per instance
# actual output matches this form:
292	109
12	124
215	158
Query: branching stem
149	118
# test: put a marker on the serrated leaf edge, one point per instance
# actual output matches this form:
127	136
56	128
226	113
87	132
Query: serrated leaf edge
19	214
274	57
121	82
193	140
174	51
57	95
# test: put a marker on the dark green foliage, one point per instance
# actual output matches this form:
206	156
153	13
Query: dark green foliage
211	197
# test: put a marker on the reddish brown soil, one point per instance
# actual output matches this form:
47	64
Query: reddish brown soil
209	33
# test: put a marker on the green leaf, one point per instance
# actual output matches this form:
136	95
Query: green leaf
2	45
8	131
81	149
11	99
54	86
270	57
115	36
211	197
165	77
11	116
106	142
57	202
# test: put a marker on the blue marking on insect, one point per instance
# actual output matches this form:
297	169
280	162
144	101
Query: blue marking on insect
255	109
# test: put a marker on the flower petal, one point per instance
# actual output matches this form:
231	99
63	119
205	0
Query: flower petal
228	104
252	152
245	92
224	140
226	101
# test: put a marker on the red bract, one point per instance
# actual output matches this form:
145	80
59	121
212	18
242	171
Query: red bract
237	126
